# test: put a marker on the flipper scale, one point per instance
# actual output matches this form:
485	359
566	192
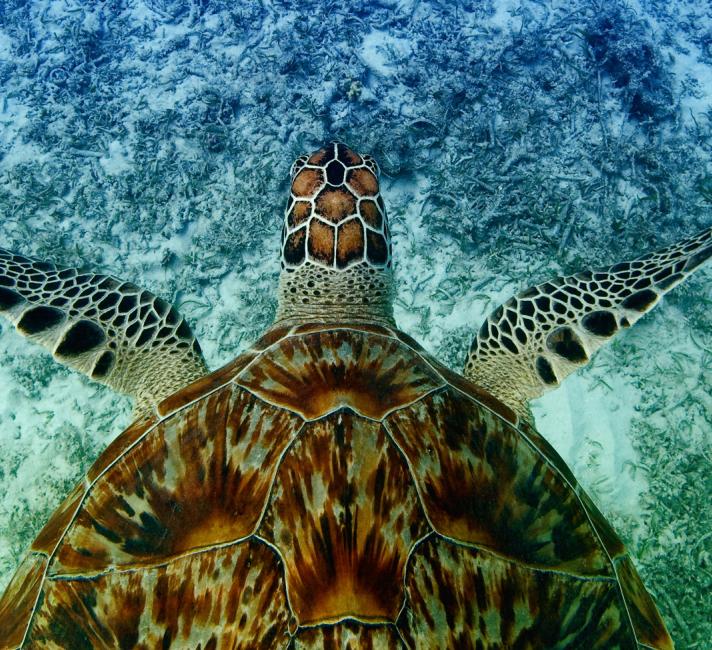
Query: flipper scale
531	343
110	330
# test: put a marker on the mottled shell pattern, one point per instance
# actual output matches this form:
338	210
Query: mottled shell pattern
335	216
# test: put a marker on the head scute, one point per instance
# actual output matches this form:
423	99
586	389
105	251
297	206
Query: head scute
335	215
336	246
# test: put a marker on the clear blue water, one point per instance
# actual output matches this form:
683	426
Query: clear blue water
517	140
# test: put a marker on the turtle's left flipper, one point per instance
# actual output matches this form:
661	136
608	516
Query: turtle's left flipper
112	331
535	340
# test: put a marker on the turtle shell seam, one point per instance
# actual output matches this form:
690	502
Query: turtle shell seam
622	595
487	551
191	552
88	486
283	567
50	557
411	551
327	327
139	568
484	549
338	408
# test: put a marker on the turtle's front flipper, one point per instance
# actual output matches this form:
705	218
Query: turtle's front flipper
535	340
110	330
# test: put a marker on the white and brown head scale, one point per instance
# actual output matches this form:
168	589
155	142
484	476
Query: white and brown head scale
336	246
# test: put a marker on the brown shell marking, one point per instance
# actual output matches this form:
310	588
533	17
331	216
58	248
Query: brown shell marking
19	599
362	181
53	530
348	635
295	247
318	373
345	527
482	483
338	512
197	480
335	185
610	540
299	214
320	242
220	377
203	386
461	383
307	182
231	597
371	214
459	596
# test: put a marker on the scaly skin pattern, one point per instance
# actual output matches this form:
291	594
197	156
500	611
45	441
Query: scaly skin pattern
113	331
531	343
332	487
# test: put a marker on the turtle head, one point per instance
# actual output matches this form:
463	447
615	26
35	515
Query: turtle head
336	246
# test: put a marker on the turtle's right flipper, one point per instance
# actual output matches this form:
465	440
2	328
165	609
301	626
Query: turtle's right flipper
530	344
110	330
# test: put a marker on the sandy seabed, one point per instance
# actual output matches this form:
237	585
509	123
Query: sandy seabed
518	141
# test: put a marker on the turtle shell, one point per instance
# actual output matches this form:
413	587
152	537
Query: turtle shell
332	487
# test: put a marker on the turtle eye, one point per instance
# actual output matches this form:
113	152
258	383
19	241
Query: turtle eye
297	165
372	165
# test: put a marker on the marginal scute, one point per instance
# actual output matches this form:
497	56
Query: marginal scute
610	540
458	381
210	382
53	530
120	444
649	627
19	598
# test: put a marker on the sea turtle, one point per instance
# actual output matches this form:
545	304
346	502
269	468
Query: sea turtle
334	486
